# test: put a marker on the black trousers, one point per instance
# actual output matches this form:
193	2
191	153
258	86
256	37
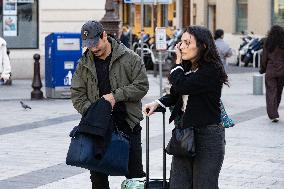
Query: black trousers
201	171
274	87
135	166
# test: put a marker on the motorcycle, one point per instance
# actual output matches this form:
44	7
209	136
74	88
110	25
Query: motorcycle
247	39
254	46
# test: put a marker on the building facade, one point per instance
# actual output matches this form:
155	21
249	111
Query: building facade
157	13
26	23
233	16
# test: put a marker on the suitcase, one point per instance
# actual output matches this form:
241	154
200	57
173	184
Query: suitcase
150	183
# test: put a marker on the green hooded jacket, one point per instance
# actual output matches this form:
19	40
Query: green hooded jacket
128	80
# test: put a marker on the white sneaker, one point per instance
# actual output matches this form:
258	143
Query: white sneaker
275	120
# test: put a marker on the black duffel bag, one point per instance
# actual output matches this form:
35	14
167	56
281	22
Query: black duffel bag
82	153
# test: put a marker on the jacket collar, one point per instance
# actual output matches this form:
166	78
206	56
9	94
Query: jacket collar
117	49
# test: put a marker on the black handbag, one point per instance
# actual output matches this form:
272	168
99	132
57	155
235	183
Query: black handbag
82	153
182	142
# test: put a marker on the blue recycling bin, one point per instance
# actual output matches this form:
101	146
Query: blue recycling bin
62	52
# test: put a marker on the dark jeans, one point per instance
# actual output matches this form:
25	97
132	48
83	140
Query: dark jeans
201	171
135	166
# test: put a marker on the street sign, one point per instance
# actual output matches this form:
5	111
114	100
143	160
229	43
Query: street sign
25	1
128	1
161	38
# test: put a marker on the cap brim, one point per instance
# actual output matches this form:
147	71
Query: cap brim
90	42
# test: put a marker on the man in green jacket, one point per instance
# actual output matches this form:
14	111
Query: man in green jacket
109	70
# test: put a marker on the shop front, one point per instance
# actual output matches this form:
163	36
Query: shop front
19	23
157	13
24	24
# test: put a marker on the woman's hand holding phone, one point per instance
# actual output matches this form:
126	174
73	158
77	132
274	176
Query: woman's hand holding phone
178	53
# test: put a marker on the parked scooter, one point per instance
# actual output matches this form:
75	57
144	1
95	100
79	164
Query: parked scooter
244	46
253	47
150	49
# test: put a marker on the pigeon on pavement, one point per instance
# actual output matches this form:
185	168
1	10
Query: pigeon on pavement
25	106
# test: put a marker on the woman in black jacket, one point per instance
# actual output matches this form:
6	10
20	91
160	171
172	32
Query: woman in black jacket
272	63
196	85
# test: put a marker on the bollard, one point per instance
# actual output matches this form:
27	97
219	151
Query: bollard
36	94
257	84
155	69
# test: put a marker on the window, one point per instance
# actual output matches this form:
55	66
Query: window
242	15
164	17
19	23
147	16
126	14
278	12
194	13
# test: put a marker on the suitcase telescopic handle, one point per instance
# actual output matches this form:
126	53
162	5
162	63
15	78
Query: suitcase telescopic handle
163	110
159	109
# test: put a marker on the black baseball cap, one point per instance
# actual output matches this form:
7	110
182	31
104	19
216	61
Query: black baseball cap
91	32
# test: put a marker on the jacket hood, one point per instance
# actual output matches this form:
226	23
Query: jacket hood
118	48
2	41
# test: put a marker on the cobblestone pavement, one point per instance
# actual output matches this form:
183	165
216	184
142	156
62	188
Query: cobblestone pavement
33	143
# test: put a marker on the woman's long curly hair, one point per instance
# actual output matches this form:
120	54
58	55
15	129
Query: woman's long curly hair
207	50
275	38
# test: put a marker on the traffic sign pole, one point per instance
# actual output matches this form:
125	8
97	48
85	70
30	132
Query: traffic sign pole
142	30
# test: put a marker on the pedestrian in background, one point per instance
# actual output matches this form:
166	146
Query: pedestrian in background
111	71
223	48
5	66
197	80
272	63
125	36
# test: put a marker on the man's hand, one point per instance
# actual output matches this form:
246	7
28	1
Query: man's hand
109	97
